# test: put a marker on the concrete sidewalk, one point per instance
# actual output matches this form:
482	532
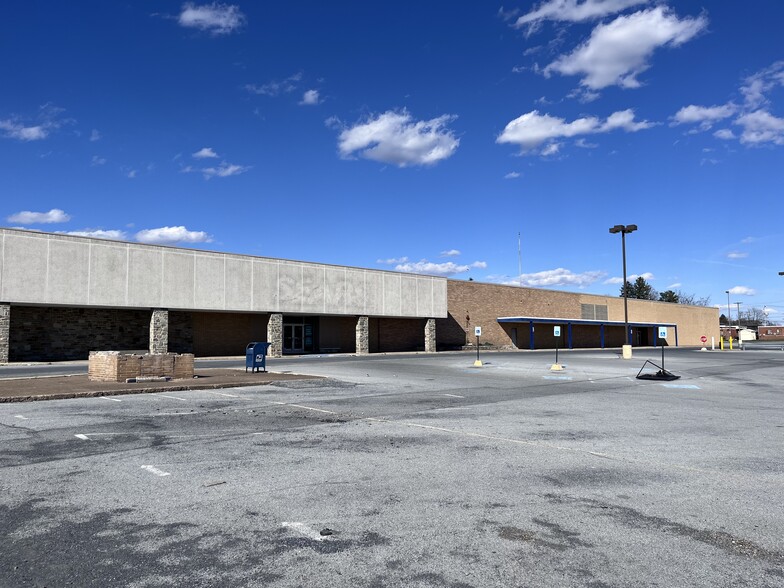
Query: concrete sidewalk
57	387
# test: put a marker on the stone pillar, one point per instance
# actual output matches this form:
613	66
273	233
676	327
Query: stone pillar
363	335
159	331
5	331
275	335
430	336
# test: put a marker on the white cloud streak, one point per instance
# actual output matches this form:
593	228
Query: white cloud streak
532	129
310	98
204	153
447	268
396	138
704	116
172	235
557	277
48	120
276	87
574	10
224	170
743	291
737	255
619	51
647	276
111	234
27	217
450	253
215	18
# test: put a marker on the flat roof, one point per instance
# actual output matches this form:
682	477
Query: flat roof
549	320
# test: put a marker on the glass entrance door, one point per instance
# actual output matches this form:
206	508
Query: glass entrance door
293	338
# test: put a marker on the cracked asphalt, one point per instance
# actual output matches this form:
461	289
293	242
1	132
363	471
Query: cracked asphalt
409	470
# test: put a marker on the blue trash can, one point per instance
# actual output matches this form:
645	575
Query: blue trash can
256	356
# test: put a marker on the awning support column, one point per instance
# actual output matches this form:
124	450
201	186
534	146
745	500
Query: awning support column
531	334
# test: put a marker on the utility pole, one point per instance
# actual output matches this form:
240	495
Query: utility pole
738	303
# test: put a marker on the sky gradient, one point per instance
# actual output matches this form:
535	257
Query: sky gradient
414	136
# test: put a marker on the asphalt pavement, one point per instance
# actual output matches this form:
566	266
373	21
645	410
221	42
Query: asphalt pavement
409	470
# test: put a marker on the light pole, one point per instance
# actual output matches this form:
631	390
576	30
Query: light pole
624	230
738	303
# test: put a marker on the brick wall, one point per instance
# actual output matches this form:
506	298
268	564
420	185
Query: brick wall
390	335
226	333
111	366
474	304
56	334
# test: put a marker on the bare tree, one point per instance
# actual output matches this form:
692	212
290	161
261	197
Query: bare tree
692	299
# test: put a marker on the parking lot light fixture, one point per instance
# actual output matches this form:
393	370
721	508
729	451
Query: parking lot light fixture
624	230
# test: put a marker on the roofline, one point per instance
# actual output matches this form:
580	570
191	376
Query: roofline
552	320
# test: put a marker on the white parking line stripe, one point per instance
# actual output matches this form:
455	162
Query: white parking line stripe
19	416
303	529
114	399
82	437
453	395
153	470
167	396
305	407
222	394
686	386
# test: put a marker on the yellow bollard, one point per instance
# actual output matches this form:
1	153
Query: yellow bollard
721	343
730	343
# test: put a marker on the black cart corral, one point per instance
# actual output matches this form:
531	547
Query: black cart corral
256	356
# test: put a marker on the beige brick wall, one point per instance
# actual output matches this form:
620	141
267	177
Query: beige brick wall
110	366
474	304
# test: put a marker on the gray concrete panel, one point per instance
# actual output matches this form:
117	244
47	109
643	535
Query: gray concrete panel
439	298
210	282
239	280
408	295
313	288
291	291
145	271
69	272
335	289
392	295
265	286
108	274
24	269
374	293
424	295
178	280
355	292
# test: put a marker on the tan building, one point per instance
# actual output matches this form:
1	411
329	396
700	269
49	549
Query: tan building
523	318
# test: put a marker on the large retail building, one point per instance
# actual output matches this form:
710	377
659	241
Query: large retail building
62	296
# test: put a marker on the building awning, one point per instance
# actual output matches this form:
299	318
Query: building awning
563	321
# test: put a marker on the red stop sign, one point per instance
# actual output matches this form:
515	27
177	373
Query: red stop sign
703	338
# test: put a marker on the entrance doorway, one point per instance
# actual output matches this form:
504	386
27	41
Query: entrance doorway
293	339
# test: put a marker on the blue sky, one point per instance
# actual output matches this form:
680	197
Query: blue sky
417	136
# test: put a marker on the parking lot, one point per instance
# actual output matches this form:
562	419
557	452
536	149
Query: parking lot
409	470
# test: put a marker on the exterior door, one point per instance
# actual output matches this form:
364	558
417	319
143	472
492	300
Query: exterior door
293	338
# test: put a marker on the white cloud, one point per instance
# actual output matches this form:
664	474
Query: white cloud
48	120
647	276
310	97
551	149
15	130
224	170
447	268
743	291
393	260
725	134
204	153
512	175
95	135
276	87
761	127
617	52
96	161
704	116
396	138
27	217
216	18
131	174
114	235
575	11
747	240
532	129
450	253
737	255
583	144
557	277
675	285
171	235
756	87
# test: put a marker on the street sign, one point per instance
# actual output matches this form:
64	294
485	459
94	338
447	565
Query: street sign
478	331
662	332
704	339
557	331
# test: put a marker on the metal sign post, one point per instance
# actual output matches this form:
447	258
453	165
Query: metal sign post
662	335
557	334
662	374
478	333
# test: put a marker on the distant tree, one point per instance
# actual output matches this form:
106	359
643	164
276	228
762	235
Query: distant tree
723	320
753	317
692	299
669	296
640	289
